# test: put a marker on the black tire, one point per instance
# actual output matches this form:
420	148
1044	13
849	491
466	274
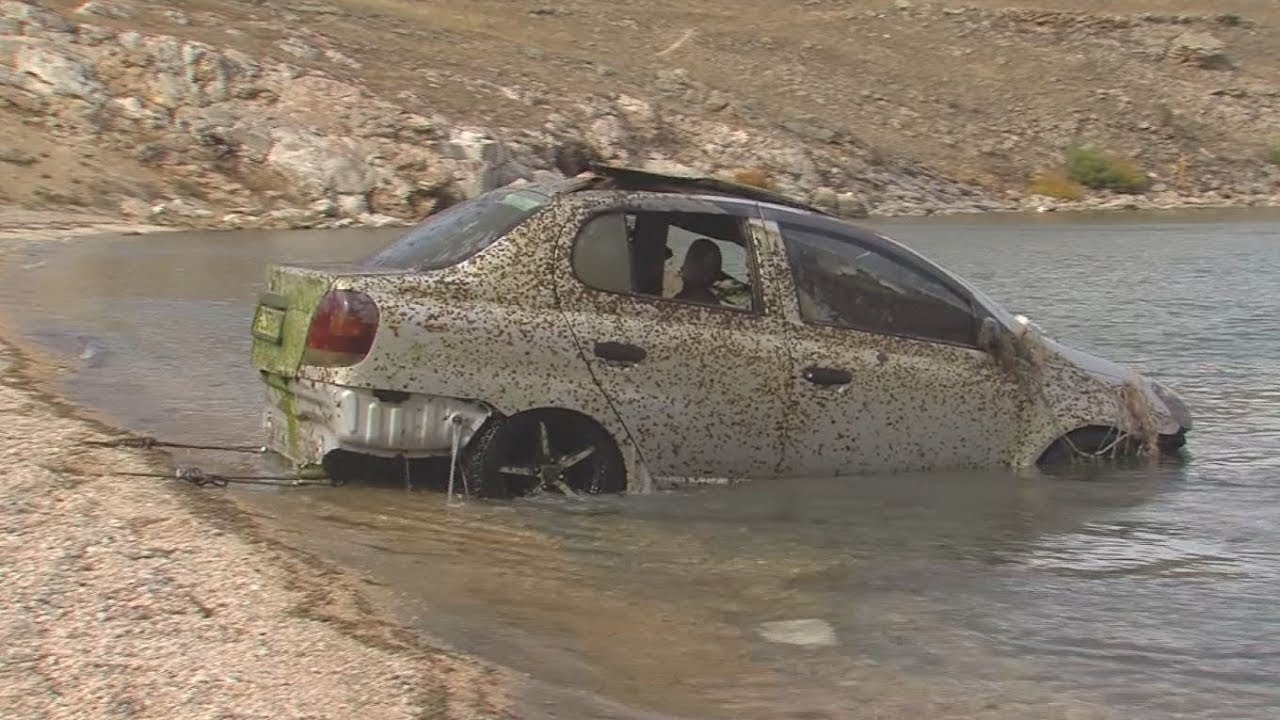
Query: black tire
515	441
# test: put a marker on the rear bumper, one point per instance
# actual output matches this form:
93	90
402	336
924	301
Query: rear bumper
305	420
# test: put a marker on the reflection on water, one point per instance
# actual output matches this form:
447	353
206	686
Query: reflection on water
1142	591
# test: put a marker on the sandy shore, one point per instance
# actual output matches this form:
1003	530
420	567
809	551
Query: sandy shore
149	598
46	225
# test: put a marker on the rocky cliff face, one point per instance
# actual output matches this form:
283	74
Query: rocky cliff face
168	129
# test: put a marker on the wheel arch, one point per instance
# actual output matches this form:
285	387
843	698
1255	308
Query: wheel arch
1082	436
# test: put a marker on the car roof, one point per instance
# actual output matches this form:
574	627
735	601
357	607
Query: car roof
624	179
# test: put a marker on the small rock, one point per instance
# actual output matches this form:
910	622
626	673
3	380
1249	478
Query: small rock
14	156
377	221
810	132
325	208
1200	49
353	205
298	49
94	36
290	217
103	8
131	40
850	206
716	101
340	59
664	166
180	208
825	199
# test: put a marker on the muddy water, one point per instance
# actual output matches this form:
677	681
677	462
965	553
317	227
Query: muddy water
1125	593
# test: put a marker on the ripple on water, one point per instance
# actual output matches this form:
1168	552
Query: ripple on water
1133	549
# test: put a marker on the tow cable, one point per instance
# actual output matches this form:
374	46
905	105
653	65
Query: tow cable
146	443
199	477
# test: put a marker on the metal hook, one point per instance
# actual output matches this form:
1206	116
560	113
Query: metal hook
456	421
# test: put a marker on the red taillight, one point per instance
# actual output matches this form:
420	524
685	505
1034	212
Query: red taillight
342	329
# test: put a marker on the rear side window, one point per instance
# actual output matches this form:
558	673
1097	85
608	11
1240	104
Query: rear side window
449	237
685	257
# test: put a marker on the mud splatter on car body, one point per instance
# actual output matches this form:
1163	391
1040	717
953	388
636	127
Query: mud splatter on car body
843	351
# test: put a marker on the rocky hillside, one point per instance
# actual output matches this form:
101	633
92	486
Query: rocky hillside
257	112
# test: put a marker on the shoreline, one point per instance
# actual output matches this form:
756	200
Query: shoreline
154	598
53	224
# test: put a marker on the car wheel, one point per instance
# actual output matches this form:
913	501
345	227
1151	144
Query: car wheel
543	450
1090	443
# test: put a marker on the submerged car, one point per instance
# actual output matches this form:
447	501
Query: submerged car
597	333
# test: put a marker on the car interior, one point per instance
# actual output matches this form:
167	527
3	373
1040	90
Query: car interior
682	256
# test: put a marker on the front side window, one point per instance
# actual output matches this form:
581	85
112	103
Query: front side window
845	284
687	257
449	237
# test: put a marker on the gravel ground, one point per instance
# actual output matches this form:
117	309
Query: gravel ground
138	598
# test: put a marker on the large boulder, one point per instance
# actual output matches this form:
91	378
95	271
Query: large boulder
34	18
190	74
322	165
485	161
46	69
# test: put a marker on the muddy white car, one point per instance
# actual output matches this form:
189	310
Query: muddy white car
593	334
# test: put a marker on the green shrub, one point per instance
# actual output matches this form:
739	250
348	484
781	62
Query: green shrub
1274	155
1103	171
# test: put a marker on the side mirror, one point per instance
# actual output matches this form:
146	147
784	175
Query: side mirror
990	334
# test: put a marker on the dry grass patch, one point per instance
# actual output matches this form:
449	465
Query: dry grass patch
755	177
1056	184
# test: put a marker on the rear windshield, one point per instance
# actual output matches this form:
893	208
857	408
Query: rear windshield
449	237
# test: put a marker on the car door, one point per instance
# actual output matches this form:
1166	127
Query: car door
701	388
886	373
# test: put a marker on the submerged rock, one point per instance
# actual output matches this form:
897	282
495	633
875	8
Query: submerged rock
808	633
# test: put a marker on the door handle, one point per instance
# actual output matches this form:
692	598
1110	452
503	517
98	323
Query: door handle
827	376
620	352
